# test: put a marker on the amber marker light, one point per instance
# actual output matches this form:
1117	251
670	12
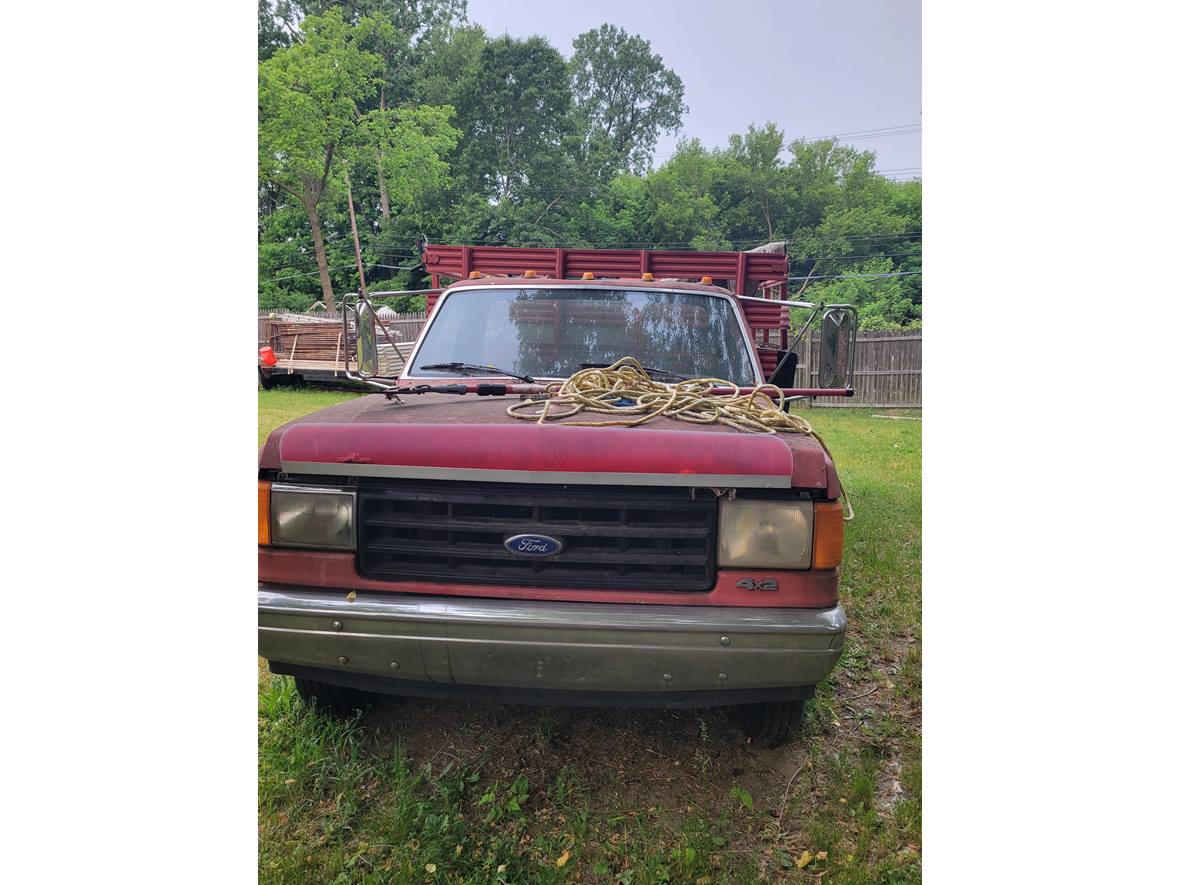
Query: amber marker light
828	543
708	281
648	275
529	274
588	275
263	513
474	275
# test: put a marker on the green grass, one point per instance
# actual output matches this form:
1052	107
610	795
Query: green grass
279	406
417	791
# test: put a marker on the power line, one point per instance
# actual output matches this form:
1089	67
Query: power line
312	258
905	126
865	134
549	191
755	240
312	273
859	257
600	192
648	244
911	235
914	254
836	276
857	276
898	239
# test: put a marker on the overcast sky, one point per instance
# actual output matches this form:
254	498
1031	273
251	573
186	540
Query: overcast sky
813	68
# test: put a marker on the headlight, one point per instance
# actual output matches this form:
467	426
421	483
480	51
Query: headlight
765	534
309	517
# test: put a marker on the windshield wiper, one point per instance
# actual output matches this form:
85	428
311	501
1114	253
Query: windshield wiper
651	370
475	369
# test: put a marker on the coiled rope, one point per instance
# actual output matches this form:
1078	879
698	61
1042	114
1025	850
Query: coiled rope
625	388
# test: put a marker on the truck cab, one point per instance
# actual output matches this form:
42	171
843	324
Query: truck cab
426	541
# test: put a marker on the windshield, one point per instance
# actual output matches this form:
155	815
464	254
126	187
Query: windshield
550	333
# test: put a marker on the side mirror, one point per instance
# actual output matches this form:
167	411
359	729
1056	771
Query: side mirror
837	347
366	340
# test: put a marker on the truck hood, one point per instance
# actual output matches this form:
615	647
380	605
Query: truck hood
438	436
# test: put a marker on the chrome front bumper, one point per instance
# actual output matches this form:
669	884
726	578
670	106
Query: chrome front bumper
664	653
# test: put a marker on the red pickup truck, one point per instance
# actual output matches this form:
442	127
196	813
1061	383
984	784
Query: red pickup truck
421	541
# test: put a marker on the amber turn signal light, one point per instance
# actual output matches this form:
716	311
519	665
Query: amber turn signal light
263	513
828	534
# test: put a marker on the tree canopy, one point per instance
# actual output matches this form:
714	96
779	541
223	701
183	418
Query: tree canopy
449	135
625	98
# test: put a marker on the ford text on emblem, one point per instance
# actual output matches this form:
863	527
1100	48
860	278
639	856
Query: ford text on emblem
533	545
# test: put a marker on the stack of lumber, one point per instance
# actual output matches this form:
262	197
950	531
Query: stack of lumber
303	340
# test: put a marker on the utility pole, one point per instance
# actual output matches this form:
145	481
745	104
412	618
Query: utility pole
356	240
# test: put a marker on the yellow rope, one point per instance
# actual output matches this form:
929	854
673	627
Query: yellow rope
601	390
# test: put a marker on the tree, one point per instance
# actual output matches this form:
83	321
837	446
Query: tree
680	207
417	19
815	176
877	293
277	26
449	69
759	175
515	121
308	112
625	97
270	35
409	146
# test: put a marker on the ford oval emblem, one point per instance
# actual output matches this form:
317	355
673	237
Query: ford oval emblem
533	545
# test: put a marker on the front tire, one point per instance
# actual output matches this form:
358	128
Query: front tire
773	721
337	700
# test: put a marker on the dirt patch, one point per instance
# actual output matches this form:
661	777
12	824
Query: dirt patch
623	760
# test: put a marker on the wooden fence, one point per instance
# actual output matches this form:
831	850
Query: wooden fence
888	370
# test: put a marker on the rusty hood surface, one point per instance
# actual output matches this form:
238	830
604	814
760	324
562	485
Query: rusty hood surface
470	437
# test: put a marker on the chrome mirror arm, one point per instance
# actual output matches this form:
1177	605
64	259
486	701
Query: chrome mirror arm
345	309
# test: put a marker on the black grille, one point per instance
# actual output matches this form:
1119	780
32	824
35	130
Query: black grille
643	538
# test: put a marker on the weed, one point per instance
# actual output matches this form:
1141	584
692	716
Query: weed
909	675
551	724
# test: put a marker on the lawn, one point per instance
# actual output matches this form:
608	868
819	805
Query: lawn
431	791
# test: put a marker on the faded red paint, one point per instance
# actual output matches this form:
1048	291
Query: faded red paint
537	448
476	431
457	262
337	571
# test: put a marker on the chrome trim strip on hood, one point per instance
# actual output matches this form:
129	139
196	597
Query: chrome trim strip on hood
554	477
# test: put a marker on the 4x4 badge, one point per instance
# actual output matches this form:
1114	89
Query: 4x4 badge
755	584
